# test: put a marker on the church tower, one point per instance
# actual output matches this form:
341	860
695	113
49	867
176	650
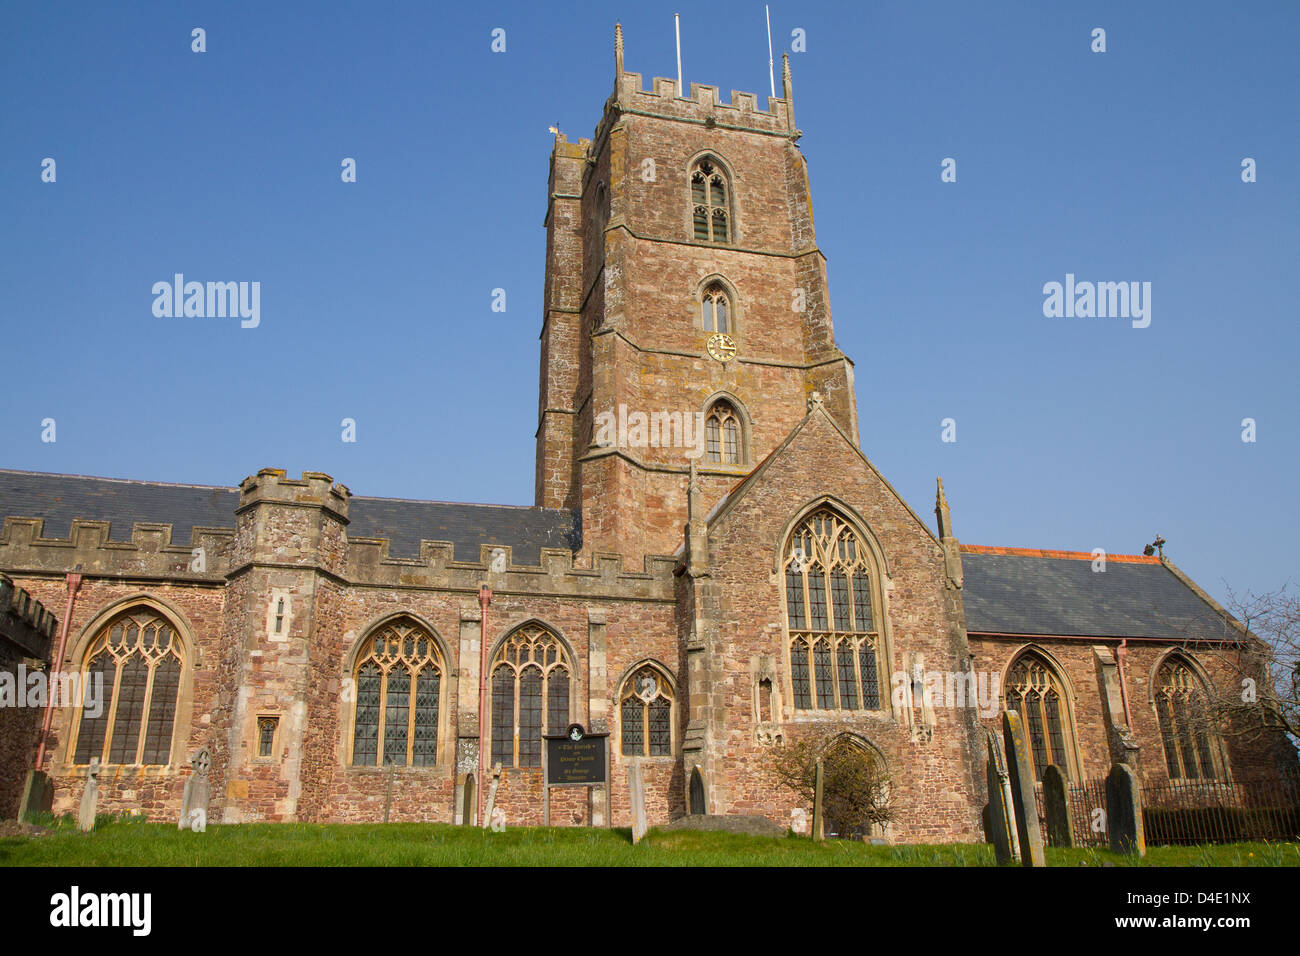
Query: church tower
684	288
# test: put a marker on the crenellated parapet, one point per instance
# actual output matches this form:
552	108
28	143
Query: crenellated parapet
369	564
291	521
152	552
24	621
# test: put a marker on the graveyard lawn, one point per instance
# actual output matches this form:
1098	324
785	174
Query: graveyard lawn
138	843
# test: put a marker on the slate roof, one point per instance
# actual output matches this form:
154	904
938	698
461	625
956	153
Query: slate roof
1011	591
58	499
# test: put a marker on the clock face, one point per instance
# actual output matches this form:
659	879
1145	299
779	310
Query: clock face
722	346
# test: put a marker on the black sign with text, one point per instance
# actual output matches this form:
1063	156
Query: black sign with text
576	763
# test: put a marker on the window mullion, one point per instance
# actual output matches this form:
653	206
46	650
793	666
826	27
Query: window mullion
112	715
144	712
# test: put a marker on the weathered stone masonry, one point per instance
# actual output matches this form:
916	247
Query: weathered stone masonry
632	556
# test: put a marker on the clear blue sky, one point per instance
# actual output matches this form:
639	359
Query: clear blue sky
1071	433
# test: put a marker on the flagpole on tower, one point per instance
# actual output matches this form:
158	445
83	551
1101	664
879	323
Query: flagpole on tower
677	25
771	77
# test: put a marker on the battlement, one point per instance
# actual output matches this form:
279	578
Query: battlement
703	106
314	488
24	620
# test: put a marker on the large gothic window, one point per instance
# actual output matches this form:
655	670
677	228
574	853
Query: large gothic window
1034	692
710	209
722	435
834	637
645	714
715	310
1182	707
398	692
530	695
139	659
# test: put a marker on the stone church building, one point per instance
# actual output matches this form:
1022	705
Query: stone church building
712	565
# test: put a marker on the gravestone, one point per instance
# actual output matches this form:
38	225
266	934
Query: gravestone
799	821
1056	805
489	818
637	786
38	794
198	794
998	817
818	825
1124	811
1022	790
89	798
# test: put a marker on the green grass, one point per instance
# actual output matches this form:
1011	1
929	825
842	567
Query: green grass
125	842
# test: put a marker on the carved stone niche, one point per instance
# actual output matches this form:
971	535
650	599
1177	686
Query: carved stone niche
766	699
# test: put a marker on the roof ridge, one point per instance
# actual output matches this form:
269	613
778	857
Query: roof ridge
124	481
1051	553
465	504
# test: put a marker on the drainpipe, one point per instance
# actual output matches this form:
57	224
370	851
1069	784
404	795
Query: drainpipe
73	581
1123	681
484	599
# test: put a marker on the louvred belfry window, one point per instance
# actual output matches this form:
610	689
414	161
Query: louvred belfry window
645	715
139	658
1186	731
710	209
398	687
831	622
530	695
1034	692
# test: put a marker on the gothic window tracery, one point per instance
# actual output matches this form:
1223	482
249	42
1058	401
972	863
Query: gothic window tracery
1182	707
398	693
1034	692
834	639
139	658
645	714
710	209
715	310
722	435
530	685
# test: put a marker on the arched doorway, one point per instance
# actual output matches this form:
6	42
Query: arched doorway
698	805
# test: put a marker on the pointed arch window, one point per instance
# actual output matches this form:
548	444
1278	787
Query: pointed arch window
722	436
399	688
710	207
715	310
1034	692
645	714
1186	732
139	659
831	618
531	679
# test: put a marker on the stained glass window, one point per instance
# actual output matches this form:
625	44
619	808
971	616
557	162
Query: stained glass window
266	736
135	665
531	675
1188	734
829	619
399	679
1034	692
645	714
